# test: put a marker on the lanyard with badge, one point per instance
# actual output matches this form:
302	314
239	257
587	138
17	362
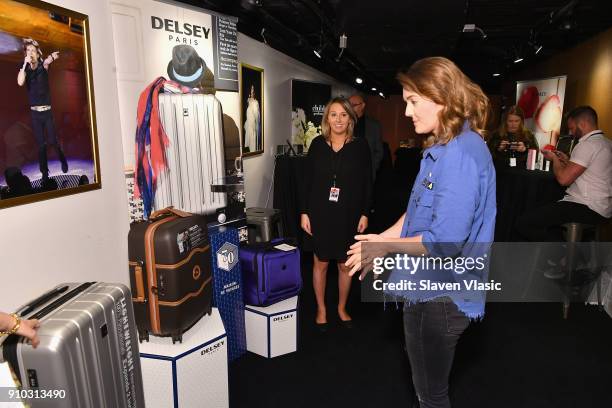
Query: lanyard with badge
334	192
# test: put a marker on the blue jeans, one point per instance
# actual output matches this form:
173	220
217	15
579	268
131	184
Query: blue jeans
432	330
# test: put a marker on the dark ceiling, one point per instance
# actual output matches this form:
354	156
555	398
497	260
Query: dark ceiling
384	35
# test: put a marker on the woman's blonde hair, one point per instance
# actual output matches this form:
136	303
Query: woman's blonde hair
441	81
503	127
346	105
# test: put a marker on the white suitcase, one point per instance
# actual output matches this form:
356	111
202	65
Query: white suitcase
195	157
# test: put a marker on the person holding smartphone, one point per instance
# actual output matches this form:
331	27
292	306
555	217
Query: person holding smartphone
509	145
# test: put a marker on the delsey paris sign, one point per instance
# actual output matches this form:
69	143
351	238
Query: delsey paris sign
180	32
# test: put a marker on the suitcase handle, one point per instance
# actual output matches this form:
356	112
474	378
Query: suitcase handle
167	211
29	308
138	278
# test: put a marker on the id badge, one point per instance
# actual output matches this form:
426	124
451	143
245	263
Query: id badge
334	194
513	162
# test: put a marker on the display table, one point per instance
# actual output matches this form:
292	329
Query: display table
190	374
518	191
272	331
288	179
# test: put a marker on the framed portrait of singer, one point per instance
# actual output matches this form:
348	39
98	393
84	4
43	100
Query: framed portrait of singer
252	109
48	139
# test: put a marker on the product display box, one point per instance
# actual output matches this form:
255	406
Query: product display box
227	281
189	374
272	331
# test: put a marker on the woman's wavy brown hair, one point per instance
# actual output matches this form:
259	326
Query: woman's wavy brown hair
346	105
441	81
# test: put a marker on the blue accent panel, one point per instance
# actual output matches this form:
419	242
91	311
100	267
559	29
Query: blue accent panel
156	357
174	384
269	340
256	312
227	287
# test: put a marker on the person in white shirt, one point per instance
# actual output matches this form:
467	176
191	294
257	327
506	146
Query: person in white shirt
588	175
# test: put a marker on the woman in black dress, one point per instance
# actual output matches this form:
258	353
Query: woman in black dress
336	200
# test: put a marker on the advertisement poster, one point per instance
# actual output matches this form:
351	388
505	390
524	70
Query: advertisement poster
542	102
177	77
308	100
192	47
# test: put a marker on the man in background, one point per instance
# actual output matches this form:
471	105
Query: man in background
370	129
588	175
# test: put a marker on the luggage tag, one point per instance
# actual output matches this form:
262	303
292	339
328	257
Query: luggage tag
513	162
334	194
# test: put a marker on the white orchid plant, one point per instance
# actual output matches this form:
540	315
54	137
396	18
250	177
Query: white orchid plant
303	132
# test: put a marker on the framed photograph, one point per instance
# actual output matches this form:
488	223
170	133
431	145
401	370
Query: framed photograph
252	109
48	140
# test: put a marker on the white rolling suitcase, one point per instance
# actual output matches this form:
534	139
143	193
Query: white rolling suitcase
195	157
88	353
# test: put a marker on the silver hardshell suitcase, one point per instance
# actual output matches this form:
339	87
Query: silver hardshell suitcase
194	125
88	353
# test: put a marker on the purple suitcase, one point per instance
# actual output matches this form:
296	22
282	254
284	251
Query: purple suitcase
269	275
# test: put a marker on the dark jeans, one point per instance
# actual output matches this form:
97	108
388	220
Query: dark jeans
544	224
432	330
42	121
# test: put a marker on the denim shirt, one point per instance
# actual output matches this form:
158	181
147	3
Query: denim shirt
453	207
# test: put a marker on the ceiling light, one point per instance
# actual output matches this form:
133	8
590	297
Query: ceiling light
496	74
359	80
318	52
374	89
382	95
538	48
518	59
470	28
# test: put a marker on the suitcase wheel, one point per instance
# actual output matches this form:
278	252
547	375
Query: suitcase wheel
143	336
210	310
177	337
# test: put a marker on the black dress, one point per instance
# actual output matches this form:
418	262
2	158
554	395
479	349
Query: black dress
334	224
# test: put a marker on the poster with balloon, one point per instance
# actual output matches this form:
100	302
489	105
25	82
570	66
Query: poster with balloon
542	103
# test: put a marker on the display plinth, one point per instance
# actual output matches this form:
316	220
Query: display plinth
272	331
227	282
190	374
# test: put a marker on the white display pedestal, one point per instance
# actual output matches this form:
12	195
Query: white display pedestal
272	331
188	374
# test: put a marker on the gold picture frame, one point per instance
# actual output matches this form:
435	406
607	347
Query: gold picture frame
251	110
48	132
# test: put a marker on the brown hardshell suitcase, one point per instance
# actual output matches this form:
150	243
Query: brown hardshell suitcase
170	273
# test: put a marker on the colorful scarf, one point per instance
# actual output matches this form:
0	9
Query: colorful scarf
151	142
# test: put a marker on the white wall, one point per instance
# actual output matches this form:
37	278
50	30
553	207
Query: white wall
84	237
80	237
279	69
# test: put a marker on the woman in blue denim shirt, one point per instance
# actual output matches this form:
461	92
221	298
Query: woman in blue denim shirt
450	214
